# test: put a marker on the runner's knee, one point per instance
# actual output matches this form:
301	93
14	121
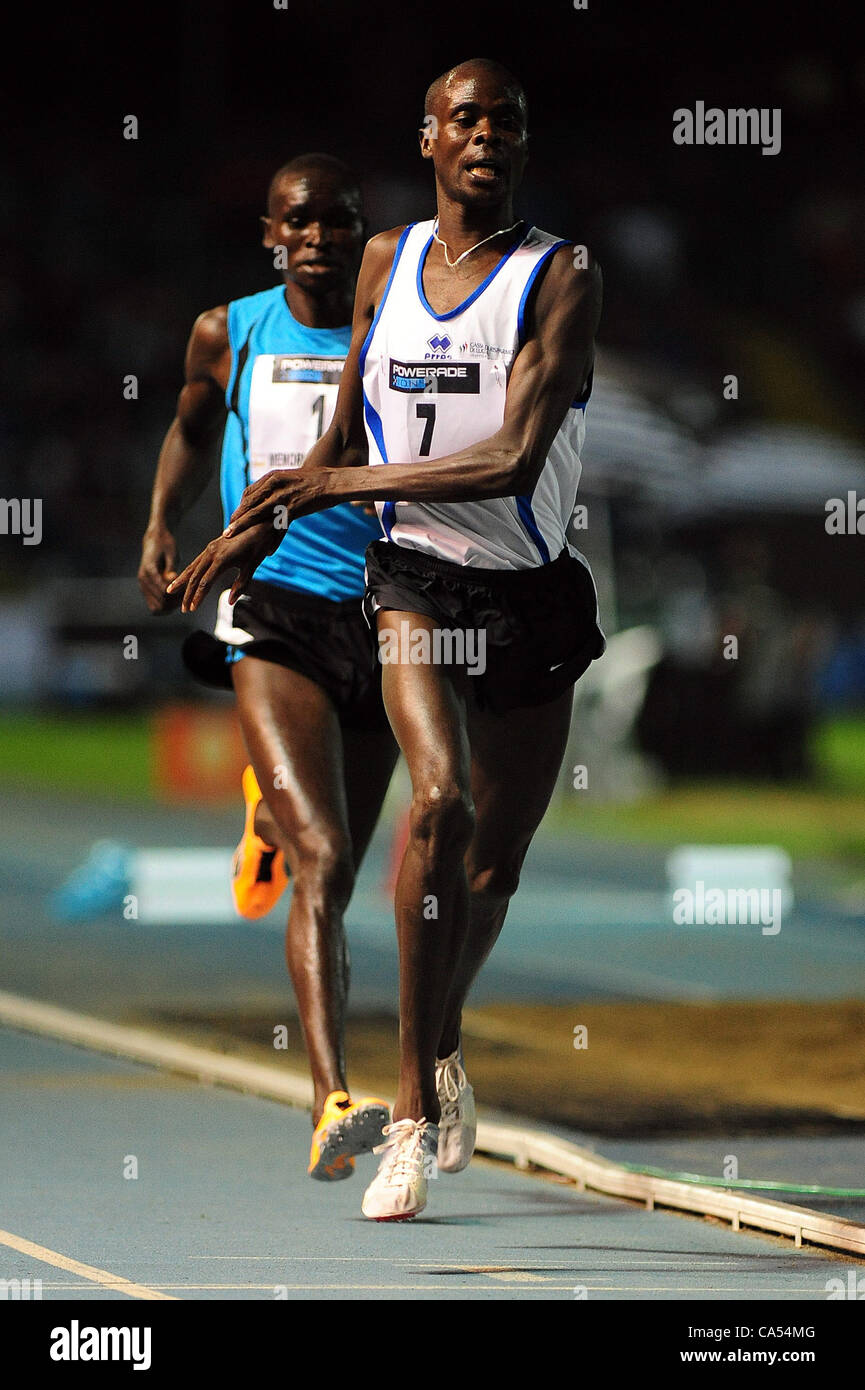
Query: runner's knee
323	867
499	881
442	814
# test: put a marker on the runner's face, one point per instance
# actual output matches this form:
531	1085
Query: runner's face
480	152
320	224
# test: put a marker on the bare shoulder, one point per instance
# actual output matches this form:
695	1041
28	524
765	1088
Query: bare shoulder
210	331
384	243
574	268
208	350
571	292
380	250
375	268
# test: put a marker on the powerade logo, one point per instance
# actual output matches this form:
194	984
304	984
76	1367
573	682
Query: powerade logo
327	370
442	377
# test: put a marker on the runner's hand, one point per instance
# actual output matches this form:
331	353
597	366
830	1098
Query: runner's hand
243	553
292	490
157	569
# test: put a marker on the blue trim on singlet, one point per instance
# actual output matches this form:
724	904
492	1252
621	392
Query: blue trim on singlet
536	270
527	517
371	415
524	504
582	400
442	318
396	255
373	420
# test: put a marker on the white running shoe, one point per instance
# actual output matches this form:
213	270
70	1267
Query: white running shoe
458	1124
398	1190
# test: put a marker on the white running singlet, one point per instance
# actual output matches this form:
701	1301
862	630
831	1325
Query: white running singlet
435	383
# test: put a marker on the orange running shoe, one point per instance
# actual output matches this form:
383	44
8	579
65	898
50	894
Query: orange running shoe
344	1130
258	872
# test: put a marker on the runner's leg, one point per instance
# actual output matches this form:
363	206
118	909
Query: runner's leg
516	759
291	727
431	901
369	758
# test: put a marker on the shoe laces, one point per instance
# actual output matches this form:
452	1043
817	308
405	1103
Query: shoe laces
450	1081
402	1150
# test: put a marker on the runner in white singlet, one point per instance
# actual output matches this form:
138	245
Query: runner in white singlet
485	616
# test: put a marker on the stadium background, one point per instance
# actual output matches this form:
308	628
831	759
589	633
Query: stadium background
705	517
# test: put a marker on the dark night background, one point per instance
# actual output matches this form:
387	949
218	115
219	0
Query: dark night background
716	260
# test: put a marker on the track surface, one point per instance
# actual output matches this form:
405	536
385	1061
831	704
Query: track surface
222	1208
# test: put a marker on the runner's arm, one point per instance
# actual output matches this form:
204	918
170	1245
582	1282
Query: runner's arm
186	458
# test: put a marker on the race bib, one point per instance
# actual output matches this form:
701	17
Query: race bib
291	403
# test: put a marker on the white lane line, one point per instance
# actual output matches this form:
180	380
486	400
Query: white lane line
269	1288
96	1276
380	1259
400	1260
759	1292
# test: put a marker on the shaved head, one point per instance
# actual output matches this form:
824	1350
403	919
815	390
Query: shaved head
313	164
439	89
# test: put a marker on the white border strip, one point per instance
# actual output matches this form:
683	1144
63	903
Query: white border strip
140	1045
524	1147
590	1170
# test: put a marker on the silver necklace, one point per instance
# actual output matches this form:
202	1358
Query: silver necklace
443	244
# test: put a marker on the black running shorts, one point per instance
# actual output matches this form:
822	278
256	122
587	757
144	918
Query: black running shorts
325	640
541	624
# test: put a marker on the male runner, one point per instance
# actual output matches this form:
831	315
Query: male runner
475	482
297	647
